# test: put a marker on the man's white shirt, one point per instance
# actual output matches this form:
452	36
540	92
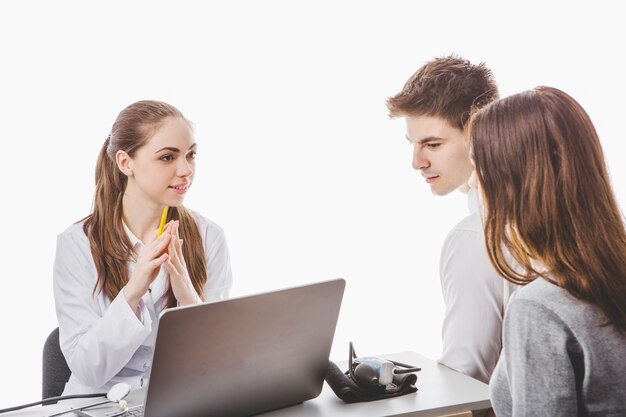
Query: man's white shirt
475	297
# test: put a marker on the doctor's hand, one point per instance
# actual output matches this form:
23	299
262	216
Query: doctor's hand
149	262
180	281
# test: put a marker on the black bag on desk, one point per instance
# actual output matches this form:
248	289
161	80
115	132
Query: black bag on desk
346	389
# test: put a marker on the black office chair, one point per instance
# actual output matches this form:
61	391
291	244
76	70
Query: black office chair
55	372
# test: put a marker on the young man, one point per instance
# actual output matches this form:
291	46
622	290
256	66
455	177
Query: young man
437	102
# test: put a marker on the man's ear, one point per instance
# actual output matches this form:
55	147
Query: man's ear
124	163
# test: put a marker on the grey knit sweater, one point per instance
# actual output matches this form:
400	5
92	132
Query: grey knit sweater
557	358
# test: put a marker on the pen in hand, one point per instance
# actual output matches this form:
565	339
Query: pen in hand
163	218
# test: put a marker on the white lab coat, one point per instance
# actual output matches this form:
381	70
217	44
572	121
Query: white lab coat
103	341
475	297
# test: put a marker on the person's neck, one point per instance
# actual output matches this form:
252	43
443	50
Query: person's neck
464	188
141	216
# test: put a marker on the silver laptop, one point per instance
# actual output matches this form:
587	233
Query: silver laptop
239	357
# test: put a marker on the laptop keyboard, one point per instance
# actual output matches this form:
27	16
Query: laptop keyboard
136	411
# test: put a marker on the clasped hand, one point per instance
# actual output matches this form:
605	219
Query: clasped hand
166	249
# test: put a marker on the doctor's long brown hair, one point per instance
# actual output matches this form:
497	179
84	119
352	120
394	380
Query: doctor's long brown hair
548	198
110	246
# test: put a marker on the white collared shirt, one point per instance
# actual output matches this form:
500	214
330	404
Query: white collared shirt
104	342
475	297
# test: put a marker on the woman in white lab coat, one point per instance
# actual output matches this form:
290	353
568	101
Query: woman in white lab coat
113	274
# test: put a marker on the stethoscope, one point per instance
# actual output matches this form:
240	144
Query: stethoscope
116	394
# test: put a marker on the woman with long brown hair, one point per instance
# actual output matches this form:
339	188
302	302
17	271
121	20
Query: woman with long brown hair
553	225
113	273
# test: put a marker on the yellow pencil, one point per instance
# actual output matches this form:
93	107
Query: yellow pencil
163	218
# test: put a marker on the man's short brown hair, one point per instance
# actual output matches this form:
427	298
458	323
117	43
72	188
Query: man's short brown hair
448	87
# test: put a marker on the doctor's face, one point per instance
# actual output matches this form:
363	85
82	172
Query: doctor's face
440	153
163	168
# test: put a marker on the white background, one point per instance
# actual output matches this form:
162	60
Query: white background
298	161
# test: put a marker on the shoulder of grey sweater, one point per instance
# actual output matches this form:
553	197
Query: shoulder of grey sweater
561	303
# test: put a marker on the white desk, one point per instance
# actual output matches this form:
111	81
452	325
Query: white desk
440	391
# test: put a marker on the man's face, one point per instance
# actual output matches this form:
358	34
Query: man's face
440	152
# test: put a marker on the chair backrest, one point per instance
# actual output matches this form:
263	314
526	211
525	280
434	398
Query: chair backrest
55	372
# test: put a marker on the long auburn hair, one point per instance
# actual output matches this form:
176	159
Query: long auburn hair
548	198
110	247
